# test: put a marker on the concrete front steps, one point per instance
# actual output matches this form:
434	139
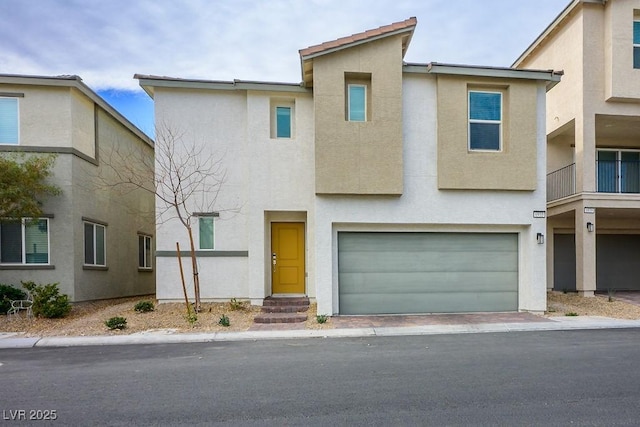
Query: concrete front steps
283	310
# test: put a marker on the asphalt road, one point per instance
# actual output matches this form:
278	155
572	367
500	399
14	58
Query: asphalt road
528	378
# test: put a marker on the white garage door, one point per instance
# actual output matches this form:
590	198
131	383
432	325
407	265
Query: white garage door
395	273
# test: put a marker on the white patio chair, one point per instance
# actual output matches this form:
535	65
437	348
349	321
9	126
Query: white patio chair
22	304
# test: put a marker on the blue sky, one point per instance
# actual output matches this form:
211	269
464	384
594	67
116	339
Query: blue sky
107	42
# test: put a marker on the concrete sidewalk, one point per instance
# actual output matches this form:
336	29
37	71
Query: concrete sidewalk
15	340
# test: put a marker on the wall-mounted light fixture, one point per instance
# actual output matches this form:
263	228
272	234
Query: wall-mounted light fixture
589	227
540	238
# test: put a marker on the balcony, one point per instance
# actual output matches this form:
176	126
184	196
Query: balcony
561	183
612	176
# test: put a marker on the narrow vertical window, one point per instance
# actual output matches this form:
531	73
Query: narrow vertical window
485	120
205	225
95	244
357	103
9	121
283	122
144	252
636	44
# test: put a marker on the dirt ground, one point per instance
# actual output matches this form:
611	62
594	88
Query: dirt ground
87	318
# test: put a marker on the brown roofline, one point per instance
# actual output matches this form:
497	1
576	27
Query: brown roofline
357	38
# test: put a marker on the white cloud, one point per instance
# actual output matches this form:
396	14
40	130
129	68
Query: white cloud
106	42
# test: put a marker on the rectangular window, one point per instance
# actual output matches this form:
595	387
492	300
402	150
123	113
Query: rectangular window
618	171
636	44
205	226
283	122
144	252
357	103
9	121
485	120
24	241
95	242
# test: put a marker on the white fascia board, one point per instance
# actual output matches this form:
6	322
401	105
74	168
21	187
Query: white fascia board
149	82
553	77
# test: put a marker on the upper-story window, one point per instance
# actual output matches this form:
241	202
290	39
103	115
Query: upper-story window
9	121
282	118
485	120
283	122
24	241
636	44
357	103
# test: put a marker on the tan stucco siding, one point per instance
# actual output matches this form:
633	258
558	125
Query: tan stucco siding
359	157
83	123
622	80
44	115
511	168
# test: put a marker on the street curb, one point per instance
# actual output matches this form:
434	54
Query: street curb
556	324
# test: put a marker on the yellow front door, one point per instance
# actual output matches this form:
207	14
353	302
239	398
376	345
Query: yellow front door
287	257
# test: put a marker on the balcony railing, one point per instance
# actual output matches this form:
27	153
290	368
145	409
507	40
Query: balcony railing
561	183
612	176
618	176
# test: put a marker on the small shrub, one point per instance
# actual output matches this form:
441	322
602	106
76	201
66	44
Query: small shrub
7	294
47	301
236	305
116	323
144	306
571	314
611	293
192	317
224	321
322	318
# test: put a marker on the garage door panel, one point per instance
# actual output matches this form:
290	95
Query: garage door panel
417	282
427	261
439	302
383	273
437	242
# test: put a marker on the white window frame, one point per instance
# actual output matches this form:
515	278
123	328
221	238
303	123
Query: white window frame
635	45
84	246
17	100
498	122
148	263
349	86
23	261
618	167
275	111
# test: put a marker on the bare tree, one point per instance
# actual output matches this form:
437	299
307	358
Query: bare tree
185	178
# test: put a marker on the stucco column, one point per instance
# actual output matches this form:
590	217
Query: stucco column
585	153
585	252
550	255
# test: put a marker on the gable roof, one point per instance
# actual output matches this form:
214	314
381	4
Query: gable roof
306	55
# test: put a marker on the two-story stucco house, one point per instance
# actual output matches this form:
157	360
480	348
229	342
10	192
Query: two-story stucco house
374	186
593	148
93	240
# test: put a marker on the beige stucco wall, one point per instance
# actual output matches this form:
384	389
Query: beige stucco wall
509	169
82	123
44	115
622	80
359	157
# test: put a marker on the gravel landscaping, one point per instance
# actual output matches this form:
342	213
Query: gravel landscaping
87	318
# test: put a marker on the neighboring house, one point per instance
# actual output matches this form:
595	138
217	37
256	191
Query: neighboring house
374	186
93	240
593	145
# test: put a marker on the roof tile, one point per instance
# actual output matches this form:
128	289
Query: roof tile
407	23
